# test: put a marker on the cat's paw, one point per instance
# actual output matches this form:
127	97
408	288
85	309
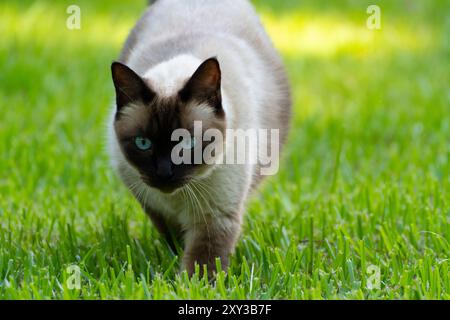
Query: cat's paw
202	263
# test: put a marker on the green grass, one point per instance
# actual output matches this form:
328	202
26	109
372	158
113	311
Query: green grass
364	181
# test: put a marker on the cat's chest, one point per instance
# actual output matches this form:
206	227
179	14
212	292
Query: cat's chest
186	204
167	205
203	198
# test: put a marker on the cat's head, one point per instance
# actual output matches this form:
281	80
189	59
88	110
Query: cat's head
145	120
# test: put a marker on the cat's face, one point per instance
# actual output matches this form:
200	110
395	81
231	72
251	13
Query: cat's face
144	123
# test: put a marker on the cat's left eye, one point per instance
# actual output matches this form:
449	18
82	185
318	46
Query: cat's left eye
142	143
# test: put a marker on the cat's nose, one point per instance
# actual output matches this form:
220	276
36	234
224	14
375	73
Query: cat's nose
164	168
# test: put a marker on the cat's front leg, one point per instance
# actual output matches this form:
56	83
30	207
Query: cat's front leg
208	239
169	230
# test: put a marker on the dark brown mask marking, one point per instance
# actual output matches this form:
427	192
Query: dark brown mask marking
141	113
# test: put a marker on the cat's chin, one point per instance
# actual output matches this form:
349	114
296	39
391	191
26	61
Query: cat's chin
170	190
167	188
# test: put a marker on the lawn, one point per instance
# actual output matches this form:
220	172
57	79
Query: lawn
363	193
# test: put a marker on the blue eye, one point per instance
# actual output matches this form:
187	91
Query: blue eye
142	143
189	143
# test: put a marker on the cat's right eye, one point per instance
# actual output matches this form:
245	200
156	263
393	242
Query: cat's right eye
142	143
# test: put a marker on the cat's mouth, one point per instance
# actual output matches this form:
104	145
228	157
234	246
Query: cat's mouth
165	186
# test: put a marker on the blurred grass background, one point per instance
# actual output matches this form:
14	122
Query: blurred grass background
365	180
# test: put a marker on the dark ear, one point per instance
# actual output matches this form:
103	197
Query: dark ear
204	85
129	86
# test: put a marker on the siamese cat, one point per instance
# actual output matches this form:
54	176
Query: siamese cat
204	61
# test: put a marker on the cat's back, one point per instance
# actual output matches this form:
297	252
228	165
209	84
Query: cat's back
176	25
169	16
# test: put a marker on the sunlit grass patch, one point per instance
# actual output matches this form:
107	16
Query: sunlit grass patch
307	34
44	24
